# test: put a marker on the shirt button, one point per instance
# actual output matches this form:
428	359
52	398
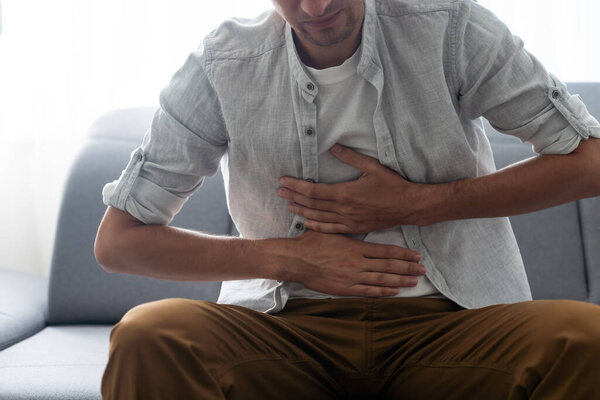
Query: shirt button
139	157
310	86
555	94
309	132
299	226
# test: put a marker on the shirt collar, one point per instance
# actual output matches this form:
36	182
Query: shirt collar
369	60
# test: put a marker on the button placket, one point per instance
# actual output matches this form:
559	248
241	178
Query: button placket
310	151
306	122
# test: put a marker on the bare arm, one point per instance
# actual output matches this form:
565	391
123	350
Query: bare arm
332	264
529	185
125	244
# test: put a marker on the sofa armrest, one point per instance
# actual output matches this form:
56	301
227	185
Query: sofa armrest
23	305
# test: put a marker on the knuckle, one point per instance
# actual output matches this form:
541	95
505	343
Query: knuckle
413	268
354	248
408	281
347	210
388	252
343	196
388	266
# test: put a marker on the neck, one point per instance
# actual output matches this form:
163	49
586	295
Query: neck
320	57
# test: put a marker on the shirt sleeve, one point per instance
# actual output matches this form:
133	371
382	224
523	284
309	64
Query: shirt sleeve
498	79
184	144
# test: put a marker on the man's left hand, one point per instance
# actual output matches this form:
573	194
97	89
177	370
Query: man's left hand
378	199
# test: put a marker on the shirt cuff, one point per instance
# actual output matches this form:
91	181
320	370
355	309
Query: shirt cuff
560	127
573	109
140	197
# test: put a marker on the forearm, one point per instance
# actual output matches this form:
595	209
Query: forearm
172	253
533	184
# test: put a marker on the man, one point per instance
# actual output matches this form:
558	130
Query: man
380	267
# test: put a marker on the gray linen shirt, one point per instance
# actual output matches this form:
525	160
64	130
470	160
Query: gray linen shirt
245	101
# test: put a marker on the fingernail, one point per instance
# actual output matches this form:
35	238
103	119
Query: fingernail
336	148
282	180
421	270
413	281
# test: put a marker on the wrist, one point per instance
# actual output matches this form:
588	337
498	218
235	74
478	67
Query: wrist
276	259
432	203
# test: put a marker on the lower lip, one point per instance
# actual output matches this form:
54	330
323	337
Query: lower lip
325	23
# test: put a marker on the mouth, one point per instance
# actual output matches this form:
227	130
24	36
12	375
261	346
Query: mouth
324	22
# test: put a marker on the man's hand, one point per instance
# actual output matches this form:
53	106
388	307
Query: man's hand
379	199
343	266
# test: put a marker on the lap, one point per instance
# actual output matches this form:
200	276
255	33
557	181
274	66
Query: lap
400	346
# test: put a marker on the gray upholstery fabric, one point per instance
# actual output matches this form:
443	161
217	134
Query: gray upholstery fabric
23	309
80	291
60	362
590	228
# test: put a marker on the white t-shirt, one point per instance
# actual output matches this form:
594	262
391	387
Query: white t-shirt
345	106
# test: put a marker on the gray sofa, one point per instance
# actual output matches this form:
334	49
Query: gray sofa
54	333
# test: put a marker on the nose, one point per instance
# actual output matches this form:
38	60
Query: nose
314	8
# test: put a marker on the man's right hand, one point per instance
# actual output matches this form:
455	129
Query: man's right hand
343	266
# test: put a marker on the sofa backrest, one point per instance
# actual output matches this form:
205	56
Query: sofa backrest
559	245
80	291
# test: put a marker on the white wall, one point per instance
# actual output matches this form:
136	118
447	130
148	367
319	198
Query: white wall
564	35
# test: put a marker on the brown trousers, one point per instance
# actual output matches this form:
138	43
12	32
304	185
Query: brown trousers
356	348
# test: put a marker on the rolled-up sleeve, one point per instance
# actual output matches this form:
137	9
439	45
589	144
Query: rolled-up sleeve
498	79
185	143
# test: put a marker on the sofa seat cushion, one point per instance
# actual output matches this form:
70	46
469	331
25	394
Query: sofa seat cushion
59	362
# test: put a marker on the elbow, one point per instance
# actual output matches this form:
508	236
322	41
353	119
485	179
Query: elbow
115	241
102	252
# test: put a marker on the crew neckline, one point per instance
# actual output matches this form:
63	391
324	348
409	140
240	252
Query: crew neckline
332	75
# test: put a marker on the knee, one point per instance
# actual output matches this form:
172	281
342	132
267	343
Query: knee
574	324
146	323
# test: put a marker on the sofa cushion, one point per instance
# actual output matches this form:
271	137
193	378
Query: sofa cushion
23	309
59	362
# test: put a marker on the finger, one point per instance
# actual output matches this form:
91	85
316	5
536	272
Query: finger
372	291
388	280
323	191
327	227
395	267
375	250
317	215
298	198
354	158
